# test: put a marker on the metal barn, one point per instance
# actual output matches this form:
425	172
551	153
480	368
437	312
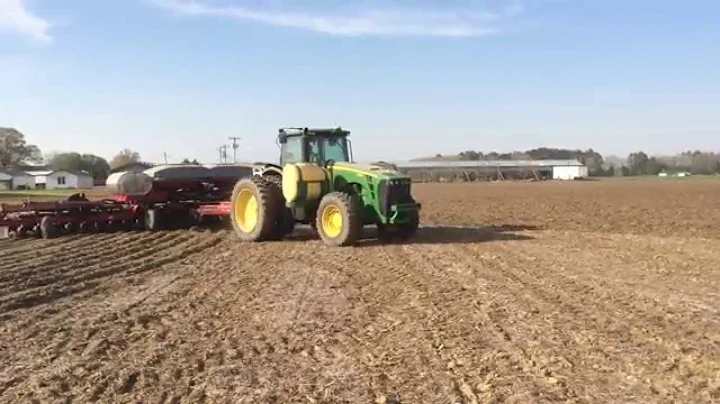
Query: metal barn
474	170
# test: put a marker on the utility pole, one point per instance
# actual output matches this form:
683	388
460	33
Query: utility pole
223	153
234	146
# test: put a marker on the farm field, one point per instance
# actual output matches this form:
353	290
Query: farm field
604	291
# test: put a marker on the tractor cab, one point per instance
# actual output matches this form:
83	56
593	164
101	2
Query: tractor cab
316	146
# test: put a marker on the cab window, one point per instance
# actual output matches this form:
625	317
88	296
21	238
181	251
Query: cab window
292	150
314	152
335	149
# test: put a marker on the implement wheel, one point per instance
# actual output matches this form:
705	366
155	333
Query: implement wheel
339	219
152	220
47	228
256	207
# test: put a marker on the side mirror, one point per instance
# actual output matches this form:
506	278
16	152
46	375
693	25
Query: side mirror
282	138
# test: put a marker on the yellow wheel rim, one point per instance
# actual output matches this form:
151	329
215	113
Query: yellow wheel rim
332	221
246	210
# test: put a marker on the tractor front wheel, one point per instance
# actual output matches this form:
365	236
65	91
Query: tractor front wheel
255	209
399	232
339	219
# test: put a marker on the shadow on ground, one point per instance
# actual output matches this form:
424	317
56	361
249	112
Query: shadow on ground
459	235
438	234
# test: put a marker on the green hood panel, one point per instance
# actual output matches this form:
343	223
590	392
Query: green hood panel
369	169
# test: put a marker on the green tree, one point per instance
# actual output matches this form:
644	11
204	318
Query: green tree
15	150
125	156
638	163
655	166
469	155
188	161
96	166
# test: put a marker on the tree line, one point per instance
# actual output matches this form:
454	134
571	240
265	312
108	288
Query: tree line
16	153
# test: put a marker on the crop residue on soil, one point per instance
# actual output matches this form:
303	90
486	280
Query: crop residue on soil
580	292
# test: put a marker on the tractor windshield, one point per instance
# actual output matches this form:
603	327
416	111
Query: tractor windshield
324	148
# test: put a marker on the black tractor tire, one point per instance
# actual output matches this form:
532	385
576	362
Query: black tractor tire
266	196
349	229
285	224
399	232
407	231
274	178
47	228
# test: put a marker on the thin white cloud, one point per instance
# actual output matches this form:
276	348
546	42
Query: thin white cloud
413	22
15	17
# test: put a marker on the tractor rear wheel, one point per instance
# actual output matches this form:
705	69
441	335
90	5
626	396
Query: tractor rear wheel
285	224
339	219
255	209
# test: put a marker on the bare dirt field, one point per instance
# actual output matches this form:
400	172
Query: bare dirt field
560	292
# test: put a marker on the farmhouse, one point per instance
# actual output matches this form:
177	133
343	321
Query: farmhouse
69	179
15	179
495	169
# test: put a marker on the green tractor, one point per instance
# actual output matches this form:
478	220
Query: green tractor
318	183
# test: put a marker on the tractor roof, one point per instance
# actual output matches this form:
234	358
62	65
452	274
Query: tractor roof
336	131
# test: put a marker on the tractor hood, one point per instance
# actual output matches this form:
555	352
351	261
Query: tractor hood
374	170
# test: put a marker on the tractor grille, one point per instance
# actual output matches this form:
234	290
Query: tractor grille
399	191
393	192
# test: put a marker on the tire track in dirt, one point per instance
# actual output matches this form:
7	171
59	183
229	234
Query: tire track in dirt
195	317
28	250
42	272
143	257
23	245
102	329
503	357
403	304
646	323
93	250
229	351
516	290
587	321
519	312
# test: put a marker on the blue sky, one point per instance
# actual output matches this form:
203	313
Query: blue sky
409	78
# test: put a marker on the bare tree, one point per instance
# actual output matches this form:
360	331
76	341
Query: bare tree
125	156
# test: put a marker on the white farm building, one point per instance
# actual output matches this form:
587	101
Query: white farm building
12	179
68	179
40	178
495	169
5	180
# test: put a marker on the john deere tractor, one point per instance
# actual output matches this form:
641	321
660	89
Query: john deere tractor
318	183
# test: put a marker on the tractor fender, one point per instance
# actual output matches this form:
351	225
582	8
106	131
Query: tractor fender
263	169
